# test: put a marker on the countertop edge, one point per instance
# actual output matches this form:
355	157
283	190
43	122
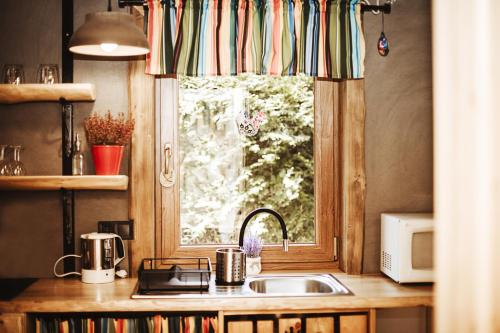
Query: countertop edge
190	305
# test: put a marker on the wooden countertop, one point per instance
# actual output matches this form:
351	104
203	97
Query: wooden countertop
68	295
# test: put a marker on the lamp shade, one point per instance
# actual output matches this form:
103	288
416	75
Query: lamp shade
110	34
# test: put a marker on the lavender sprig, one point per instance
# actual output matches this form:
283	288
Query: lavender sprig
252	245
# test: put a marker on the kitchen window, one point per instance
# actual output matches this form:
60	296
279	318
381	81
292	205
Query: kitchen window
223	167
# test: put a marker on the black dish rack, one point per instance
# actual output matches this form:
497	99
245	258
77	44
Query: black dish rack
159	276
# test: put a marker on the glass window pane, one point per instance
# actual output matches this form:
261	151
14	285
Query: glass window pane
226	174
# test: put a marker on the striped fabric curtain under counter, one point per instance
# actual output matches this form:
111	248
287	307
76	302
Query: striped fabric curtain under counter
140	324
320	38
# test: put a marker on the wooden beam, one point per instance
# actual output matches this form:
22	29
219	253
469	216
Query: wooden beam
353	174
142	157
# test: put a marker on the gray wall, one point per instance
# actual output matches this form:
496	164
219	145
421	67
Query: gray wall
31	222
398	119
398	129
398	135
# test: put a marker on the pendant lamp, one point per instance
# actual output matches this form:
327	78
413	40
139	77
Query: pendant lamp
109	34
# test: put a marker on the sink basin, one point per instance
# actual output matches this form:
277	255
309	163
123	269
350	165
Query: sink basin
299	285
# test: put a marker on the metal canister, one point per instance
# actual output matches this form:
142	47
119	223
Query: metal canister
230	267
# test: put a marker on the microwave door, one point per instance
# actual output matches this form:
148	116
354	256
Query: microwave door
413	241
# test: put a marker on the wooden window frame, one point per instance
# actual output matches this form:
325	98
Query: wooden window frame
345	103
327	185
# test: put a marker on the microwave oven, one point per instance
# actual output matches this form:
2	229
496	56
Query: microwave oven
406	249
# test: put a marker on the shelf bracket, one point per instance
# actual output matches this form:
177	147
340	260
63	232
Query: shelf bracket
67	137
68	203
67	196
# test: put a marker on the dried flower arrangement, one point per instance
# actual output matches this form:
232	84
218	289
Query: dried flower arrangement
252	245
109	130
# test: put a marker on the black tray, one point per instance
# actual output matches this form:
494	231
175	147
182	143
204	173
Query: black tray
162	275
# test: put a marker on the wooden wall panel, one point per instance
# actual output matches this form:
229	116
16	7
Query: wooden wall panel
142	162
352	105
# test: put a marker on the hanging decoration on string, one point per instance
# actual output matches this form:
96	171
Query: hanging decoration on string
248	125
248	122
383	43
376	9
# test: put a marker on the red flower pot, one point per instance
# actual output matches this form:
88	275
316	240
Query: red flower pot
107	159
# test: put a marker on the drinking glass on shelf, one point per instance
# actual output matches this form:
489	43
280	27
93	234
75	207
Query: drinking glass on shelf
48	74
5	169
17	166
13	74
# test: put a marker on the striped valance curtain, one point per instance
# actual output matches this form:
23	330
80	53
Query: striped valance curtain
321	38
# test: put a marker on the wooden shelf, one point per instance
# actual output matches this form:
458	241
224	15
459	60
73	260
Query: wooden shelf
49	183
23	93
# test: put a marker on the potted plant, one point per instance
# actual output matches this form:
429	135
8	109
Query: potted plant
108	135
252	246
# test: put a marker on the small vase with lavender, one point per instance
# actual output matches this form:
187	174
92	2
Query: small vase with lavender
252	246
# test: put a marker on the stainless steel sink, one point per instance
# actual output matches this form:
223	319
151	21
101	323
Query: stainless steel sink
297	285
272	285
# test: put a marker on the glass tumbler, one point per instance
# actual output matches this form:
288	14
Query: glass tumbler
13	74
48	74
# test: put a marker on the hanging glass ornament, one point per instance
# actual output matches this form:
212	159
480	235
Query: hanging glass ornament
247	125
383	43
248	122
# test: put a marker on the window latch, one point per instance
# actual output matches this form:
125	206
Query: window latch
167	174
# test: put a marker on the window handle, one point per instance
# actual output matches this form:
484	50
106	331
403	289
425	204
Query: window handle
167	174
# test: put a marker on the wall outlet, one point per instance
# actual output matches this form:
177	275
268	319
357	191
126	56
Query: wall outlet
124	229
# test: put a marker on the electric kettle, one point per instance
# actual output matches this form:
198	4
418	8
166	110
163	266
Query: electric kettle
100	253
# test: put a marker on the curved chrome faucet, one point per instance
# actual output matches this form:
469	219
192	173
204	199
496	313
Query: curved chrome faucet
269	211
